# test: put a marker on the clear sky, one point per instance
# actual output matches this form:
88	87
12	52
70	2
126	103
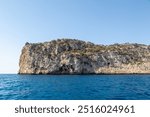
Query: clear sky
98	21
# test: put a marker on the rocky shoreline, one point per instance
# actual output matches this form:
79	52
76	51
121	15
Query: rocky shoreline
71	56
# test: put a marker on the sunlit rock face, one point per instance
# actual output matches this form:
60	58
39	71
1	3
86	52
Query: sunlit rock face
71	56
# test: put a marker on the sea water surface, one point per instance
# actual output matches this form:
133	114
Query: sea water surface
74	87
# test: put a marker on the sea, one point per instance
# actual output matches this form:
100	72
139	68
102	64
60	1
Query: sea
74	87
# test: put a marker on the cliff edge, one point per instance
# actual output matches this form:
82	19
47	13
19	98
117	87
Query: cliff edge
71	56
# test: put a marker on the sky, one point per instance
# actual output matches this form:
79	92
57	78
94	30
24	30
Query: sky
97	21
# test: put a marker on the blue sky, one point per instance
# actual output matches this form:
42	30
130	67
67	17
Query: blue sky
98	21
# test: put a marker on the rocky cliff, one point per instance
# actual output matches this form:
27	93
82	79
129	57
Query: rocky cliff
70	56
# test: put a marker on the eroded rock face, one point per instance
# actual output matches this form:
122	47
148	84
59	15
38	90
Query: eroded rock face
70	56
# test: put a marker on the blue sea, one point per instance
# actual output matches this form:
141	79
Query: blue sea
74	87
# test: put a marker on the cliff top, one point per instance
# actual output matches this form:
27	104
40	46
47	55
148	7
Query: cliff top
77	46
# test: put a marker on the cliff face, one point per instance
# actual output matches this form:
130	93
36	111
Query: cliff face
66	56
